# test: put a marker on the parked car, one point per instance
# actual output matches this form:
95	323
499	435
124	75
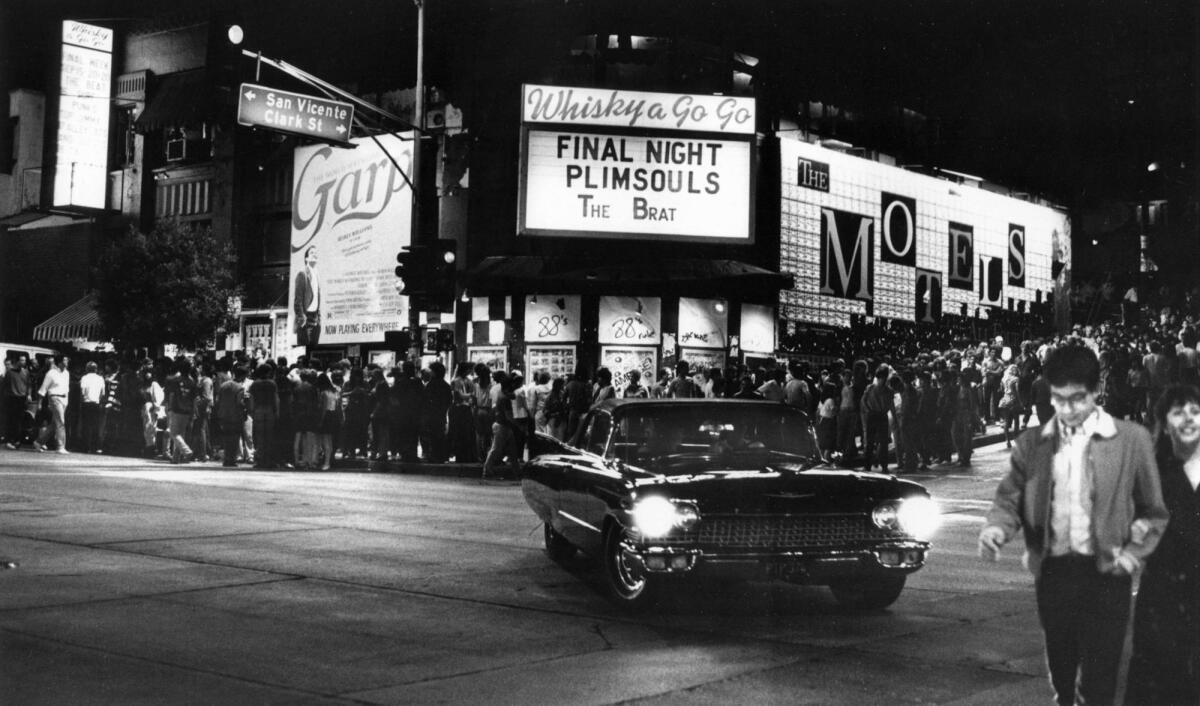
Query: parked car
657	489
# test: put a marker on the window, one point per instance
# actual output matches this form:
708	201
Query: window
121	150
597	433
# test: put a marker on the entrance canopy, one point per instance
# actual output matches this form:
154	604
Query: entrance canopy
664	276
79	321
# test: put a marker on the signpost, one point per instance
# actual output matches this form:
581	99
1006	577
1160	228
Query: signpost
310	116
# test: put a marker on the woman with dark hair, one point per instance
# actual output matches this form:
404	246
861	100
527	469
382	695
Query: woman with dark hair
1165	666
556	409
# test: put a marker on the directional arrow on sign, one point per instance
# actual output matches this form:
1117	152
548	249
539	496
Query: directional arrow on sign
296	113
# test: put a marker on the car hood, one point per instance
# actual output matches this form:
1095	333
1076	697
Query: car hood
780	490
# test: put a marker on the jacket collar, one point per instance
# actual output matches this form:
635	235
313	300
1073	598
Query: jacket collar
1100	424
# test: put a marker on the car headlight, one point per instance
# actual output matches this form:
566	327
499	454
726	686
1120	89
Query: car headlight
919	516
655	516
886	516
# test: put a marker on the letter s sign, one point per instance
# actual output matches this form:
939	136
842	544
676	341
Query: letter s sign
1016	255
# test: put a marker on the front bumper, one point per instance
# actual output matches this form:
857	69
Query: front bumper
797	565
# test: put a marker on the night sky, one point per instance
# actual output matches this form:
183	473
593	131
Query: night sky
1067	99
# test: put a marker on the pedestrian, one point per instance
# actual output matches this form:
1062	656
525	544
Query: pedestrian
404	411
150	397
378	412
92	394
202	445
1074	489
230	411
556	409
904	403
1041	399
180	389
483	410
285	425
578	393
55	388
503	430
264	411
1009	405
682	386
876	405
18	395
1165	665
603	388
438	397
635	389
539	391
306	417
796	391
847	419
746	389
461	415
355	404
827	410
772	388
329	421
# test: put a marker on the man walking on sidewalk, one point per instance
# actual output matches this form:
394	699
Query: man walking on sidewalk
1076	489
54	390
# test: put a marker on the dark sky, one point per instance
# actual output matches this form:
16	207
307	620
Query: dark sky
1066	98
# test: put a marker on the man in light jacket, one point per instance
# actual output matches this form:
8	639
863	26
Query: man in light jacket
1084	490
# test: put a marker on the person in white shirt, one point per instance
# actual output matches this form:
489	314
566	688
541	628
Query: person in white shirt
522	418
92	388
54	390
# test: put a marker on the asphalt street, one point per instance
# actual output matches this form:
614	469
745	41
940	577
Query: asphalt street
139	582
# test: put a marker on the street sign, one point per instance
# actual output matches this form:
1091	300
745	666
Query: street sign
311	116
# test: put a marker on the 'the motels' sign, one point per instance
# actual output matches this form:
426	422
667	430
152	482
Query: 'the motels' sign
609	163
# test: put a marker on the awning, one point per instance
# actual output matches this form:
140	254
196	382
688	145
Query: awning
79	321
677	276
183	98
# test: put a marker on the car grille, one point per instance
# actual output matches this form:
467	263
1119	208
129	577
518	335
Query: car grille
783	531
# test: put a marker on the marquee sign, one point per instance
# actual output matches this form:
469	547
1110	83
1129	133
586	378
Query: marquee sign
81	165
866	238
630	164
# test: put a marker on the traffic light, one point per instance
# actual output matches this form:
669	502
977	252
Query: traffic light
412	270
441	272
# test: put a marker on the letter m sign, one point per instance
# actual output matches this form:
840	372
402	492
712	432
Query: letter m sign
847	255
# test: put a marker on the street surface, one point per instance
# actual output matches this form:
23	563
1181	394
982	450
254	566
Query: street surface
140	582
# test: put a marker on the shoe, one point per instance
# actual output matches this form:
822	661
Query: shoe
11	446
38	447
325	468
63	451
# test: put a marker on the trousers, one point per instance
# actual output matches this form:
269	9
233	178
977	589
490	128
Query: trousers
1084	615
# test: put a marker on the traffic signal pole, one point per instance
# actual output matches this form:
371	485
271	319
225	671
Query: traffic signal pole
414	320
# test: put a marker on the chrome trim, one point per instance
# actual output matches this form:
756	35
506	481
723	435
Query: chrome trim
579	522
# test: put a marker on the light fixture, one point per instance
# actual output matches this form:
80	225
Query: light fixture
235	34
466	297
719	306
1153	167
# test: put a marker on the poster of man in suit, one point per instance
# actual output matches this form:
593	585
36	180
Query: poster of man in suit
351	214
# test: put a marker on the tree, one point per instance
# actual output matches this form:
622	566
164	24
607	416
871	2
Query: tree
172	285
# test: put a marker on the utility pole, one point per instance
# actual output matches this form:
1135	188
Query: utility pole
414	319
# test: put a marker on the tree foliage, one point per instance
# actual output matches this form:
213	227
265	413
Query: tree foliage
171	286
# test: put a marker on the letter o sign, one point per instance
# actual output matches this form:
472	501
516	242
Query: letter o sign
899	230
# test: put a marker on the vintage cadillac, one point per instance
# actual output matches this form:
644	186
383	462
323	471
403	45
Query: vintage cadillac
658	489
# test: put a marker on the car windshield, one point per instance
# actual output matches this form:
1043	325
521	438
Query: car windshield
725	435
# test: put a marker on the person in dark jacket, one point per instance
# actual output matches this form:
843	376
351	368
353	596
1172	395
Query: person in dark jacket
435	410
378	410
264	410
356	396
1165	664
876	404
230	411
404	412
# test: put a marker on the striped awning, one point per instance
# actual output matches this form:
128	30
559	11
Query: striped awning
79	321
